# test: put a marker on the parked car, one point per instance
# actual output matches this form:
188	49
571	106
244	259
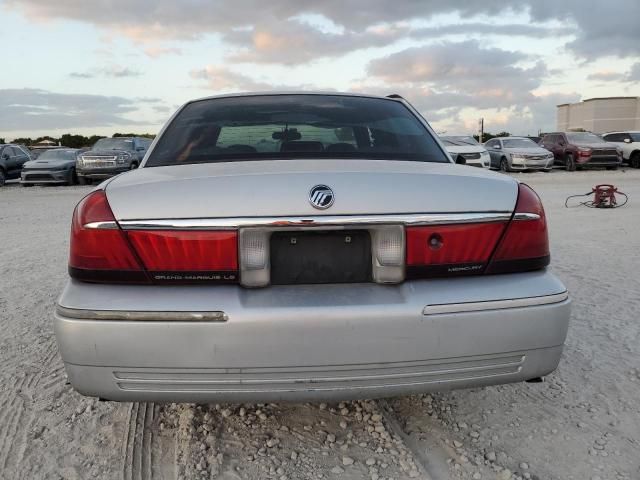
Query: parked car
111	156
305	247
575	150
52	166
629	143
12	158
465	149
534	139
518	153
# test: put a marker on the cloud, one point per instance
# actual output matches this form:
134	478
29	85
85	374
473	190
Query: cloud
293	42
466	70
158	51
112	71
603	28
220	78
606	76
33	109
632	75
262	29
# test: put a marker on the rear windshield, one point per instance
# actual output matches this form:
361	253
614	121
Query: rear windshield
519	143
294	127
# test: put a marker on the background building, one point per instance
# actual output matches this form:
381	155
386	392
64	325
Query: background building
600	115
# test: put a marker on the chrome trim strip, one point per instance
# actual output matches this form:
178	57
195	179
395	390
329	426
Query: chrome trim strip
149	316
494	305
101	225
412	219
526	216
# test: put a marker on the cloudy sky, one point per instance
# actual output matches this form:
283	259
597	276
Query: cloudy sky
126	65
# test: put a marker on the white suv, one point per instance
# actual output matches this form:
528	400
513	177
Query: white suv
629	142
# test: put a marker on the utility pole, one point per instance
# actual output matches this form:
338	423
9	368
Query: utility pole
480	129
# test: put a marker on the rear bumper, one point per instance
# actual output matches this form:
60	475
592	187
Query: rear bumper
313	343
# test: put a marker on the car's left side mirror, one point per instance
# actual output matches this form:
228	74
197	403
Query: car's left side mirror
460	160
627	140
5	156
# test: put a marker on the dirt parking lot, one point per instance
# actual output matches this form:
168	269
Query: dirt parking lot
583	422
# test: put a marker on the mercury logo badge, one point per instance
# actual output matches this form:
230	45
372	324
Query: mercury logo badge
321	197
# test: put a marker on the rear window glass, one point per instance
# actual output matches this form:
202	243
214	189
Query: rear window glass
294	127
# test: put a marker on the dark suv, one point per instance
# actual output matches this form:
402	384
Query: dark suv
12	157
110	156
576	150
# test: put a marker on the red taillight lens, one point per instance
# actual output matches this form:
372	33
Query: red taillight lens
451	249
525	245
99	250
187	251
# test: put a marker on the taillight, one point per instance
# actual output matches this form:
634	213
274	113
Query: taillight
191	256
520	245
99	249
525	244
102	252
451	249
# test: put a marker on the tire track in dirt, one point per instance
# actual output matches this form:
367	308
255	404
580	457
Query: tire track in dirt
12	423
431	467
138	445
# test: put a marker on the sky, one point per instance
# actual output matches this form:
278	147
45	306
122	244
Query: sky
109	66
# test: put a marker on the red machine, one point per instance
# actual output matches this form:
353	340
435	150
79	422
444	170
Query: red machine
604	196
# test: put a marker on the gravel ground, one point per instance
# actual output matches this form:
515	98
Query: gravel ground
583	422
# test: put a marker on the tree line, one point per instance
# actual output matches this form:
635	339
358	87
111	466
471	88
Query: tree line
73	141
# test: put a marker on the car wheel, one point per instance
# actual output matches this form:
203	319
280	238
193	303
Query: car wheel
634	161
83	181
615	167
73	177
504	165
27	184
133	166
546	170
570	163
3	178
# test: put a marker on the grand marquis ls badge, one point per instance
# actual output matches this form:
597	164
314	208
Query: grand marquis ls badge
321	197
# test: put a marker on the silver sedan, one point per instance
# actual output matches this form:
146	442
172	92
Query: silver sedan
518	153
306	247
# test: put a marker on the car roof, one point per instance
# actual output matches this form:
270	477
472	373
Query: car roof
622	131
297	92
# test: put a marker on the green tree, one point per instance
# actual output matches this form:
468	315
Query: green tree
2	140
145	135
74	141
93	139
23	141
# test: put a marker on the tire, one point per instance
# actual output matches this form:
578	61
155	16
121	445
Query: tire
612	168
73	177
83	181
504	165
634	160
133	166
570	163
3	178
27	184
546	170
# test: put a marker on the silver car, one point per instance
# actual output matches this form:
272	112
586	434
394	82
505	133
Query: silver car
518	153
306	247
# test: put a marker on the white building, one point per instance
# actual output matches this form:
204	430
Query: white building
600	115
